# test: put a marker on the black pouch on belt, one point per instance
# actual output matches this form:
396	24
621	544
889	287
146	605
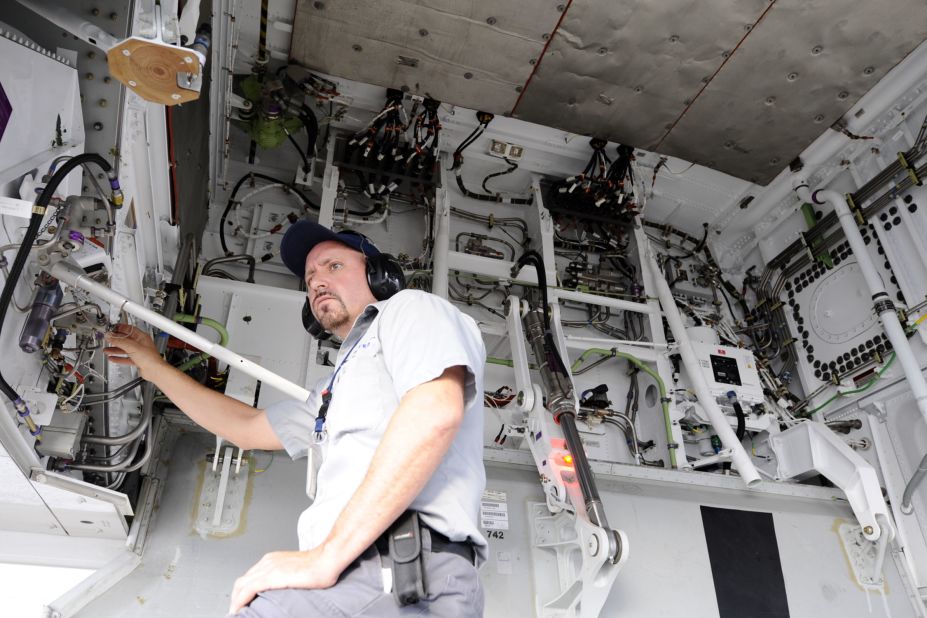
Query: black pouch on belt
405	552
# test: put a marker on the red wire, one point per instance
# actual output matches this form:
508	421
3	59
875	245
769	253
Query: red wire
537	65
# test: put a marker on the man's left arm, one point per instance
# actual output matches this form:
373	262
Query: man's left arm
416	440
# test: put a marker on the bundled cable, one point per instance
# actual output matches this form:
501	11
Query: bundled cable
603	188
484	118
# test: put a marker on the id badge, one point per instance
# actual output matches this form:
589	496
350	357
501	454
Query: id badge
314	460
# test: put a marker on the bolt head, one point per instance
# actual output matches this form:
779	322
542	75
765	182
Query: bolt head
868	530
592	546
175	96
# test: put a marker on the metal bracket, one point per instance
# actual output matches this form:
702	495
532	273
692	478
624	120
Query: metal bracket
811	448
585	573
525	400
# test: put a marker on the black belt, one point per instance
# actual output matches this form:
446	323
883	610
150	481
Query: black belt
439	543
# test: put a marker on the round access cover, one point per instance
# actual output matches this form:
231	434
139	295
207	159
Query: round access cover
841	307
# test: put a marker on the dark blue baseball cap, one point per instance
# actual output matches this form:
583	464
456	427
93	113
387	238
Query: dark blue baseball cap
303	235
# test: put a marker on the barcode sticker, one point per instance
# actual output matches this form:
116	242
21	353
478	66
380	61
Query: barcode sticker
494	511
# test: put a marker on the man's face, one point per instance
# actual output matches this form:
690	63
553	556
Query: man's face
336	284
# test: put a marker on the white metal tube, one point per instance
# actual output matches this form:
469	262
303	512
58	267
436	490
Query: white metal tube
883	303
739	457
74	276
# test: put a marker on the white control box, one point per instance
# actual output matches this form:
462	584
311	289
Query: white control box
729	369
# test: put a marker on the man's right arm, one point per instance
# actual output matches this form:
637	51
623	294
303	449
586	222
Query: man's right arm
241	424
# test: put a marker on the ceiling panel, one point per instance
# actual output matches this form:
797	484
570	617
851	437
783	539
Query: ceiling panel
797	73
742	86
624	71
474	54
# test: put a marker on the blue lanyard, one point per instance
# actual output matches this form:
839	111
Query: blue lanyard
327	394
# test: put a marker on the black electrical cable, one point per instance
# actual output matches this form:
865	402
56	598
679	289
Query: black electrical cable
38	213
308	205
741	420
512	167
302	155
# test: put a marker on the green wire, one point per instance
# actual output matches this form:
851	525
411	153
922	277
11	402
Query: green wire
185	318
855	391
664	400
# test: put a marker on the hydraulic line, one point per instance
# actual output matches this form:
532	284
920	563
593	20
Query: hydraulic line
250	259
661	386
38	213
231	201
883	305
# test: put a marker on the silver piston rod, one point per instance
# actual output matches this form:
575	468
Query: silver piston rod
561	402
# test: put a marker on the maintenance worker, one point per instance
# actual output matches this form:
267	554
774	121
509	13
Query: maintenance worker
393	528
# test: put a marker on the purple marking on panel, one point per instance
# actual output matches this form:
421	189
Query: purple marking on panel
6	110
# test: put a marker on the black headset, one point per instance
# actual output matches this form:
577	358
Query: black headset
384	278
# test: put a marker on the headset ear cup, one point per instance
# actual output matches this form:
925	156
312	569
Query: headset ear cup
312	326
384	276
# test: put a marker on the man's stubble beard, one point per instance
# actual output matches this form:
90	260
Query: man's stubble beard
333	319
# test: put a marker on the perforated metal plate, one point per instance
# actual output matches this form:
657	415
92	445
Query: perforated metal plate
474	54
742	87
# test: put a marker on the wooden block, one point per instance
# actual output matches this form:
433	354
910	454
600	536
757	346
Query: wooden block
150	69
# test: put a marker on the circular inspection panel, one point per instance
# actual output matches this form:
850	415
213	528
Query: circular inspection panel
841	306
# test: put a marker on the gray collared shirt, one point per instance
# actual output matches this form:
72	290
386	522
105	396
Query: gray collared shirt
402	342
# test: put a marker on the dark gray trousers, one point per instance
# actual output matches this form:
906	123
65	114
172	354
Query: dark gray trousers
454	590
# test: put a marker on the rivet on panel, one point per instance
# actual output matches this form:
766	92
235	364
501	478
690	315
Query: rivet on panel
602	51
94	11
868	70
792	76
729	145
638	89
816	50
97	126
126	52
770	101
774	161
107	79
819	118
468	75
674	38
113	16
91	54
842	95
423	32
560	8
357	48
545	37
89	76
726	54
491	21
103	102
175	96
748	27
706	79
518	88
532	62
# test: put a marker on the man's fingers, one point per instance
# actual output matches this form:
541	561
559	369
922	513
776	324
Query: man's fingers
242	594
